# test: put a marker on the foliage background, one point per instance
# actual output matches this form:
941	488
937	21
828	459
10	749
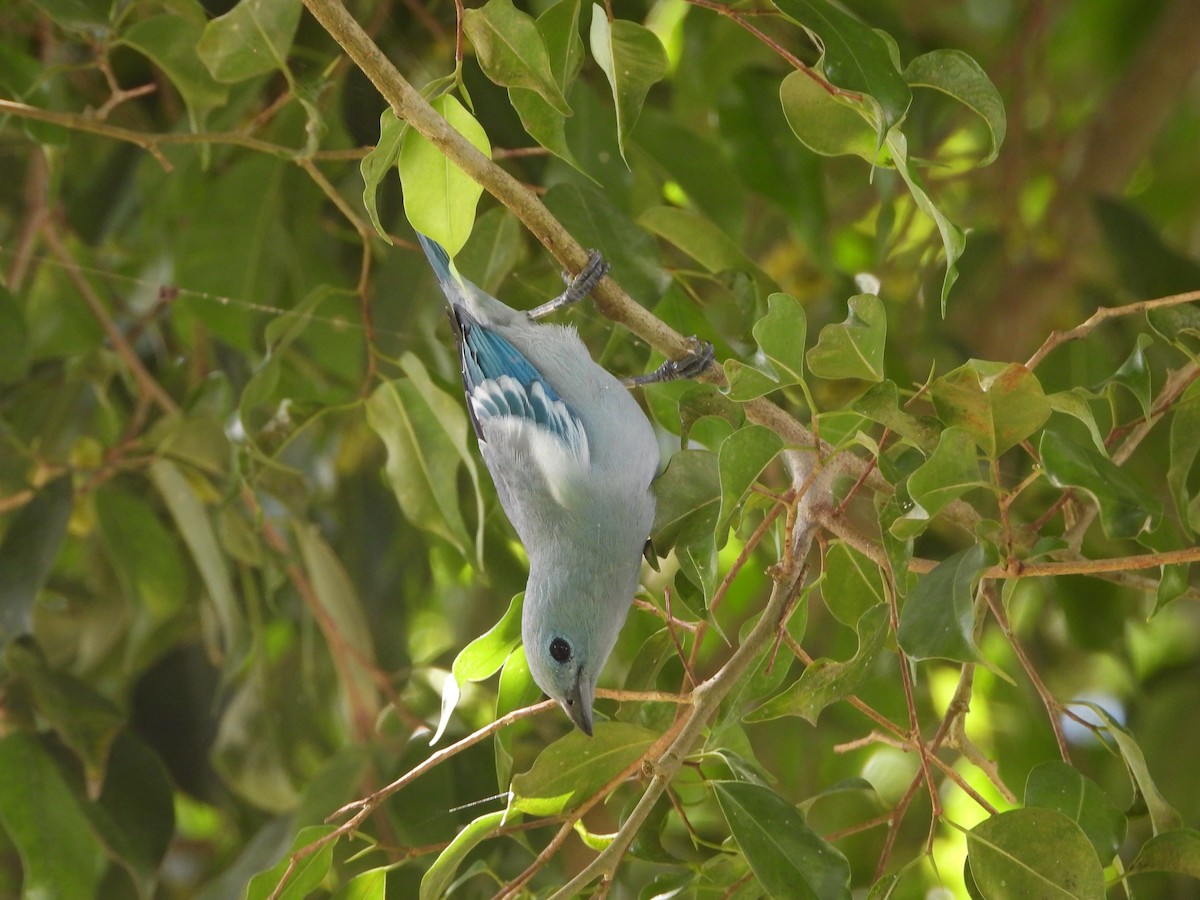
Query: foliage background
228	602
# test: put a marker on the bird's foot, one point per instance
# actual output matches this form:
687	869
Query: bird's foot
699	357
578	286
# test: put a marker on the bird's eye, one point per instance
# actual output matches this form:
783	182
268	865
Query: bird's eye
560	650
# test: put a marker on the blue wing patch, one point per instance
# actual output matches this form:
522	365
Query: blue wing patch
500	382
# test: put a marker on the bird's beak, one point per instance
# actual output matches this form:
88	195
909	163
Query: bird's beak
578	705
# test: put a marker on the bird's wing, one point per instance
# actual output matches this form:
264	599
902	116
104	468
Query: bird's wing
503	386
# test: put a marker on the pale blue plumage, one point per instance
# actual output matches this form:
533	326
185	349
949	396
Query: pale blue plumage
572	455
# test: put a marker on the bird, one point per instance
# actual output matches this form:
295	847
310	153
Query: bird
572	456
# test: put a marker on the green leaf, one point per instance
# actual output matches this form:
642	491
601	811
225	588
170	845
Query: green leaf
425	432
1176	852
378	163
575	767
170	41
439	197
853	348
253	38
368	885
308	874
788	858
1134	375
483	657
1148	266
1126	508
697	236
1173	323
344	614
516	690
1074	403
439	876
87	721
633	59
826	123
30	546
951	471
1033	853
850	583
780	335
954	240
1059	786
195	527
938	618
742	457
44	820
87	16
854	57
826	681
1185	446
144	554
1162	816
512	52
881	403
957	75
688	504
998	404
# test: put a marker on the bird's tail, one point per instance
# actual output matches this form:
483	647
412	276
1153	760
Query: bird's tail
443	267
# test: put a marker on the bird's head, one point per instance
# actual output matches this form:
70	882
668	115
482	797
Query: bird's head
568	632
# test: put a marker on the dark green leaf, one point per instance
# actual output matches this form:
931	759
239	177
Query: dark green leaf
425	432
853	348
1148	266
60	854
826	681
1185	446
742	457
14	338
633	59
376	165
951	471
881	403
998	404
1176	852
1126	508
575	767
1033	853
1162	815
854	57
31	544
850	583
170	40
788	858
938	619
1056	785
1134	375
512	52
253	38
957	75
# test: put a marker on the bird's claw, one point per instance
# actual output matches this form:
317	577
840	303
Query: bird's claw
578	286
699	357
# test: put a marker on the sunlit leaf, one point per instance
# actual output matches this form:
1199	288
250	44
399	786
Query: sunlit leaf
439	197
788	858
824	123
780	335
441	873
308	873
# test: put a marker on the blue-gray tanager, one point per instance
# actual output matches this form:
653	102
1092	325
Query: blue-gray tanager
572	455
